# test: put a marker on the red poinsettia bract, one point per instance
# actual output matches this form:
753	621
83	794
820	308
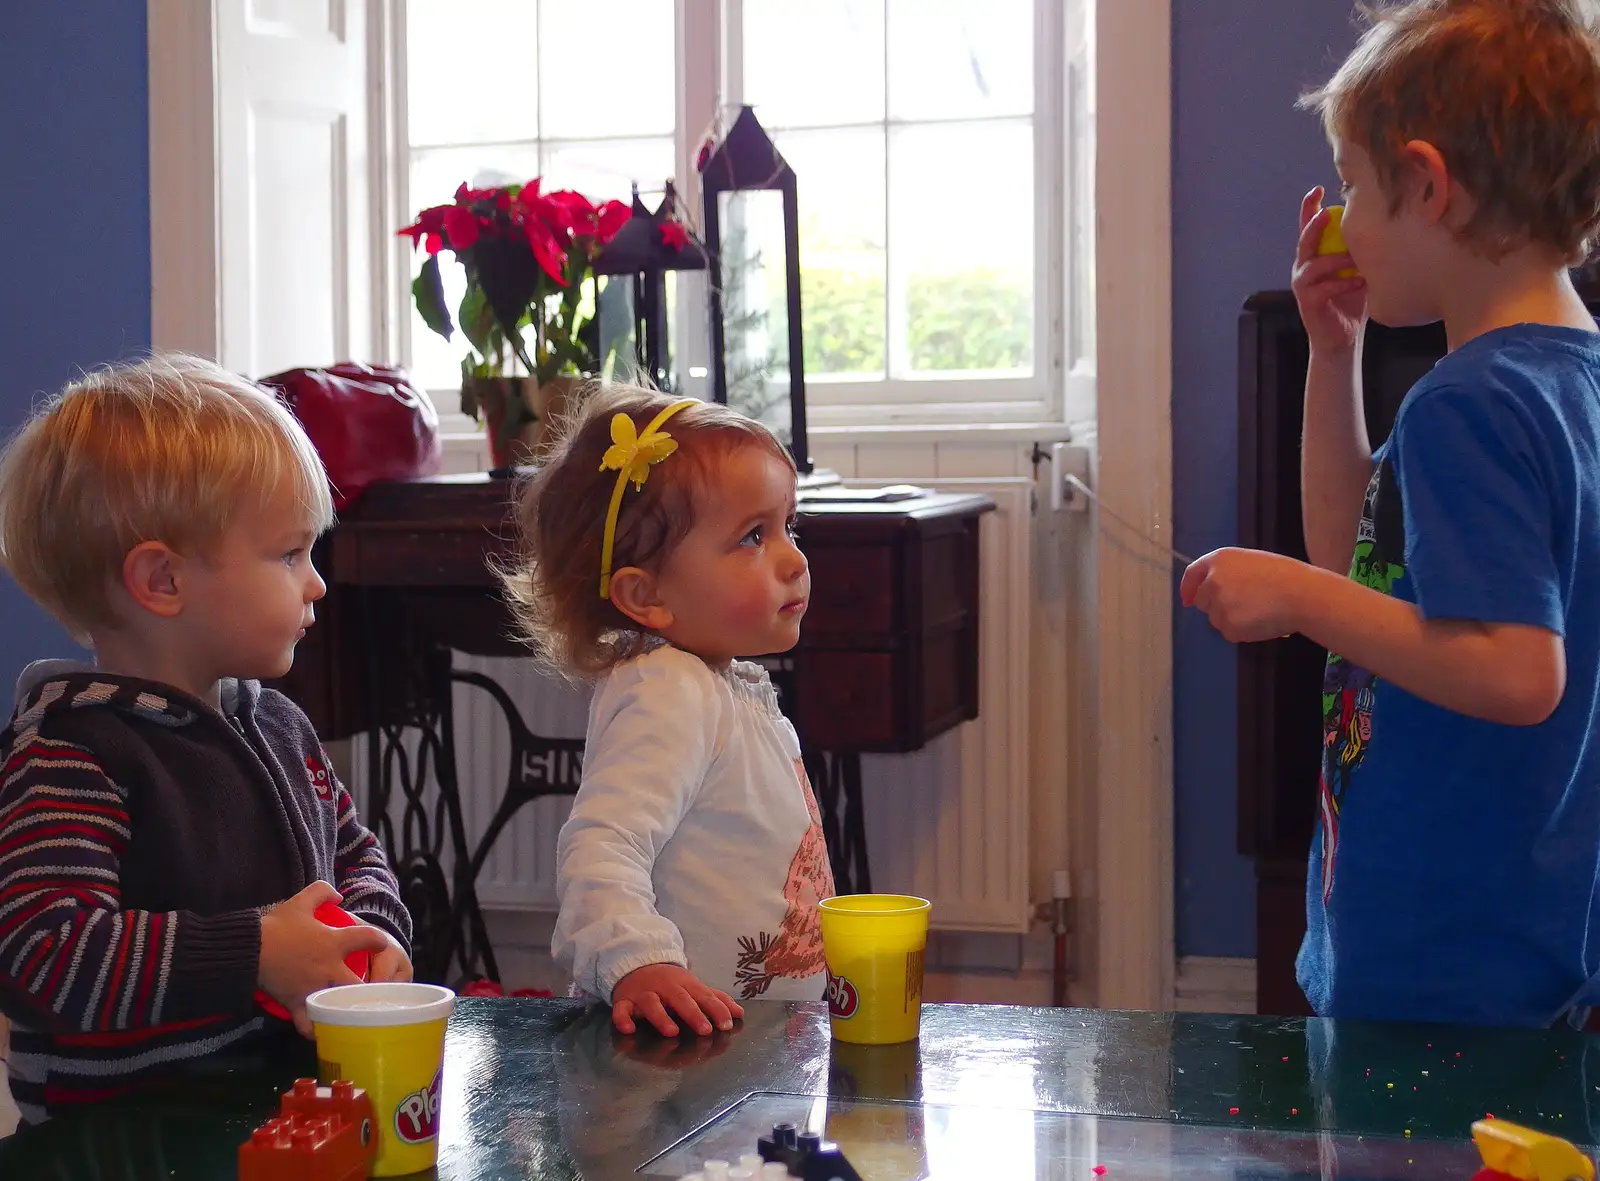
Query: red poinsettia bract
673	235
553	224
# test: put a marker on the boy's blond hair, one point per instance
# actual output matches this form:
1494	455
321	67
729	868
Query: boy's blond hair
170	449
1508	91
553	586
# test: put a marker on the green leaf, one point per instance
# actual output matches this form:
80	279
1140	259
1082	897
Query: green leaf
477	321
428	290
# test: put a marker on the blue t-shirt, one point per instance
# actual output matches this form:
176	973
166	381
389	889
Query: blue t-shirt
1455	873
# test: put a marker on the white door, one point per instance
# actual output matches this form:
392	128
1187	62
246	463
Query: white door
293	188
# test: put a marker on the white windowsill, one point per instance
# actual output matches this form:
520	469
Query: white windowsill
969	432
868	436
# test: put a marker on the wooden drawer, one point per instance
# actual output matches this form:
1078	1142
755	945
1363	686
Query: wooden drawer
849	700
852	591
417	557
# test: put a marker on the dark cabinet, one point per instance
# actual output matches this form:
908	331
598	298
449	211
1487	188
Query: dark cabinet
1280	682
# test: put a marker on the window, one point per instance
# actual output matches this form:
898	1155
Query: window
930	139
504	90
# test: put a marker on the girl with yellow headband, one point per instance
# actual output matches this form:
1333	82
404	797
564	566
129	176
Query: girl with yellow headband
658	557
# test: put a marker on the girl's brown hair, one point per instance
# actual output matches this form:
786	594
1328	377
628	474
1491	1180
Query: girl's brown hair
1508	91
553	586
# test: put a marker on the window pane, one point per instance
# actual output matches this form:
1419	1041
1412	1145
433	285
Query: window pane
960	59
606	67
608	169
436	173
463	85
811	63
964	272
436	362
839	176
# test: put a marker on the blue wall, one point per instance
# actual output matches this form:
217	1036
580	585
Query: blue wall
1242	159
75	201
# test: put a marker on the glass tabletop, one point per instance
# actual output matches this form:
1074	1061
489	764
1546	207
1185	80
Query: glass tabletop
547	1089
885	1141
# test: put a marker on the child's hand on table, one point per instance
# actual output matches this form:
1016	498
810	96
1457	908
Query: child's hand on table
1247	595
299	954
656	991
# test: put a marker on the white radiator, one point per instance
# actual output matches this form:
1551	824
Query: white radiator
949	823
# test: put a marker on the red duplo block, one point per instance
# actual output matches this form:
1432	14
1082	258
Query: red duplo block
321	1134
1492	1175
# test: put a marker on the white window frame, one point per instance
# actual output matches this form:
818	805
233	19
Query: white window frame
708	33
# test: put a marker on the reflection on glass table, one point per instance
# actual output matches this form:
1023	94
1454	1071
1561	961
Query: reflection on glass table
886	1141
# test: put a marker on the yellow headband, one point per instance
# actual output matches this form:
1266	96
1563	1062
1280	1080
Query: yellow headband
631	456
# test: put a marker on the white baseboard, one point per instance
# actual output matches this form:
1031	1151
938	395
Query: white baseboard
1215	984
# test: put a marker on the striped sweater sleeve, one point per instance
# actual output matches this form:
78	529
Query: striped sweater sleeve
365	881
72	958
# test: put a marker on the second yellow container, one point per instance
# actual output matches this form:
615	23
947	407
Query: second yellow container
874	945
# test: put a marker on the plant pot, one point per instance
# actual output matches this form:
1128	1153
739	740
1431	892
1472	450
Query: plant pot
535	411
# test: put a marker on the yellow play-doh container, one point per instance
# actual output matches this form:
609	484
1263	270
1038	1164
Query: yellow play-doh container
389	1040
874	945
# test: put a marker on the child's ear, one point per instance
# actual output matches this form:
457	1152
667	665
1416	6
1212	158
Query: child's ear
1430	184
152	574
634	593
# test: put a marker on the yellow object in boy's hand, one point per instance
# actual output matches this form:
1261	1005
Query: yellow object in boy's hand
1333	239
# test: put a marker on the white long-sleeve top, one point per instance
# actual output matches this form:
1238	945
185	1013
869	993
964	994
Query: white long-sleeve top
695	838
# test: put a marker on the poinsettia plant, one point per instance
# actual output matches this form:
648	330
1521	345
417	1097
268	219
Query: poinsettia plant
527	254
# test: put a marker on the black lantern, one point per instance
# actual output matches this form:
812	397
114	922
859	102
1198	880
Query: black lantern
752	228
646	248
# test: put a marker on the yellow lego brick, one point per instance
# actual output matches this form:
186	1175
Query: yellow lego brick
1528	1155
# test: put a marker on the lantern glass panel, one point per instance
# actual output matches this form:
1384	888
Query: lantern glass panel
755	307
619	341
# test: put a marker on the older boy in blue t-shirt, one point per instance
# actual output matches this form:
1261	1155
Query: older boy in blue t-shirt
1455	875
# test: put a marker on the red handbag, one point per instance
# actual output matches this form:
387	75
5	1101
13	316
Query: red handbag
368	422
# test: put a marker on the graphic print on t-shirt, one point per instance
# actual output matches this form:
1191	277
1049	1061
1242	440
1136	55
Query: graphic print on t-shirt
1347	689
796	950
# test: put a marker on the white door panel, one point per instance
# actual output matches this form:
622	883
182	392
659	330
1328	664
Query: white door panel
293	184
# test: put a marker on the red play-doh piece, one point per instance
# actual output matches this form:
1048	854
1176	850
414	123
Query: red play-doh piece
330	914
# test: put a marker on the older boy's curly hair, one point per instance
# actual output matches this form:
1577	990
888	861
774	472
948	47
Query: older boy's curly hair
553	585
1508	91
